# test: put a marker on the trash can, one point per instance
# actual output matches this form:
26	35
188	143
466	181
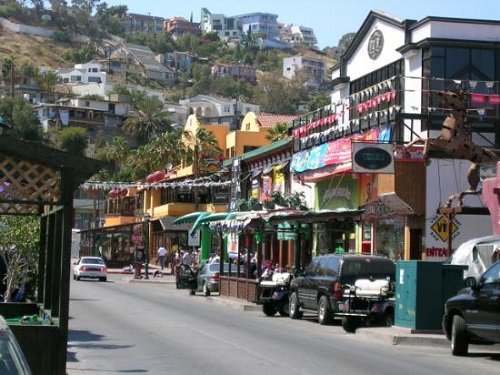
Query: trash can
422	288
138	259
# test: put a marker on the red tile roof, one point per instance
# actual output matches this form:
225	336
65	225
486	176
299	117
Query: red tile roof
268	120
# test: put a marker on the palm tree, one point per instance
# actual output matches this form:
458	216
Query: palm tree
277	132
202	148
169	149
148	121
48	81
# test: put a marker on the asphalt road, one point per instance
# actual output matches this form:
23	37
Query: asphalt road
133	328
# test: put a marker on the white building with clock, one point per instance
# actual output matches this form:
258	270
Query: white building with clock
385	90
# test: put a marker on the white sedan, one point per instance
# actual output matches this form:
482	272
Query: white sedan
90	267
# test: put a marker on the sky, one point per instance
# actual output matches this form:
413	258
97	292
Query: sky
330	19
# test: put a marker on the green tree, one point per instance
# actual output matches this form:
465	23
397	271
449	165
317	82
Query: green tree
318	101
19	246
19	114
345	41
72	139
47	82
277	132
148	120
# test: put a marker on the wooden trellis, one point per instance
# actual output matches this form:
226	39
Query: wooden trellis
38	180
24	186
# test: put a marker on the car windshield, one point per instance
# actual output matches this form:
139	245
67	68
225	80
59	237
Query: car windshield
92	261
11	361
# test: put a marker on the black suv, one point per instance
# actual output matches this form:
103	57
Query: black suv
473	315
324	286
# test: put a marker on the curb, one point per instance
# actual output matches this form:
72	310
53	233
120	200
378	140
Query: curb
235	304
402	336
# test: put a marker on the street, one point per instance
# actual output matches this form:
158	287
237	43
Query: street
119	327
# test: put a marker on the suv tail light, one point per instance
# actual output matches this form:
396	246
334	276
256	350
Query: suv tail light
337	290
104	269
215	277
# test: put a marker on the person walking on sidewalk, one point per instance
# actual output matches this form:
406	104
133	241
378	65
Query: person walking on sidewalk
162	253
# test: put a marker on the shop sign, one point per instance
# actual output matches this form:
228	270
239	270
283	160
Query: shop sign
440	228
137	238
194	239
372	158
338	193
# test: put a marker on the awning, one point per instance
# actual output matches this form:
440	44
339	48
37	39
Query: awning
398	205
386	205
190	218
209	218
167	224
243	219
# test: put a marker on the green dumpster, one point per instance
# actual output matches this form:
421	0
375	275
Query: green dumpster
422	288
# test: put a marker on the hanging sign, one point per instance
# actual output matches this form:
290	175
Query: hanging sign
372	158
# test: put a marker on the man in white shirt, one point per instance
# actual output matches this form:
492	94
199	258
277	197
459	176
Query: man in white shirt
162	253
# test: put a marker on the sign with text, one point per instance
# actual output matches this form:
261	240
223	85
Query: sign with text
372	158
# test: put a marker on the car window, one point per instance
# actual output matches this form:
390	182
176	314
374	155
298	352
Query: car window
312	267
92	261
332	266
492	276
368	267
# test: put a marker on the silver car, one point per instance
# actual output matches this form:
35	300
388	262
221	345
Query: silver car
207	278
12	359
90	267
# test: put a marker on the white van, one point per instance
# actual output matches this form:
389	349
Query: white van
478	254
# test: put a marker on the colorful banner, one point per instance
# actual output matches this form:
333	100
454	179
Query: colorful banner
331	153
279	179
267	188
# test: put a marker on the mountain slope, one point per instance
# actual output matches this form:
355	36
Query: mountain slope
36	50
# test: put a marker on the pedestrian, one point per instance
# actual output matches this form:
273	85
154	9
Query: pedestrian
162	253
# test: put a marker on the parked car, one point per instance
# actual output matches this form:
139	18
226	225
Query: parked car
90	267
12	359
324	286
472	316
205	280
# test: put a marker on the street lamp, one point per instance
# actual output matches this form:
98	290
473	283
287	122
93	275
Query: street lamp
146	217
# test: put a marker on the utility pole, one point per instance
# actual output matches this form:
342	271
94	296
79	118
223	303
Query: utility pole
196	167
12	77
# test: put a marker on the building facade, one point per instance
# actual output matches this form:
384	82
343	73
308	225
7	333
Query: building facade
142	23
385	92
315	69
264	25
178	26
227	28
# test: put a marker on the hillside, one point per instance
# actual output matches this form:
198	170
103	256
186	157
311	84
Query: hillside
36	50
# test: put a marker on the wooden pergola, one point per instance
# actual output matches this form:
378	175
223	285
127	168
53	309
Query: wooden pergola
38	180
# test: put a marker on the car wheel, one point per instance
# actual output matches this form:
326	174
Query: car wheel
269	309
74	277
103	279
206	292
388	318
78	278
284	308
294	309
192	292
349	324
459	341
324	311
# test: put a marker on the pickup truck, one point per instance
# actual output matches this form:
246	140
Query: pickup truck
472	316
